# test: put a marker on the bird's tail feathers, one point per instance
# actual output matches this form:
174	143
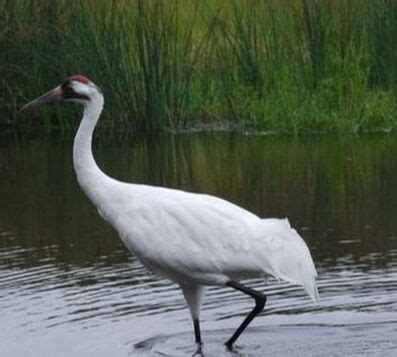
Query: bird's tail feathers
290	258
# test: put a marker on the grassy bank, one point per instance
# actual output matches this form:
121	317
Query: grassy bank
276	65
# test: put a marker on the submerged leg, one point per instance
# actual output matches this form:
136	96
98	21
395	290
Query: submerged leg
260	301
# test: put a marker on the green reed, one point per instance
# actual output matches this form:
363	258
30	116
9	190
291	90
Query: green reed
273	65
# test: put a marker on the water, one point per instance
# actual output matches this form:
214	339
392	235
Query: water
69	288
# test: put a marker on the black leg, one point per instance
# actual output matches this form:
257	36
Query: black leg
260	301
197	333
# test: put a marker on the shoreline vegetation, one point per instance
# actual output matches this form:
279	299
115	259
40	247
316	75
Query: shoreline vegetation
279	66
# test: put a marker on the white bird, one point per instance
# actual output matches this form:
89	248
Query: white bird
195	240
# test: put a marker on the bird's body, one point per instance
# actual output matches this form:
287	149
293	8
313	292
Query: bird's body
192	239
195	238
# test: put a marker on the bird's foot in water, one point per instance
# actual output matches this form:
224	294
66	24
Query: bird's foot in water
231	347
199	351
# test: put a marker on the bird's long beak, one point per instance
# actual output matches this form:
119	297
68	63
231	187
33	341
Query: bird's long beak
51	96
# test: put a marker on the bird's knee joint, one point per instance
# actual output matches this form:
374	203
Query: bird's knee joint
260	302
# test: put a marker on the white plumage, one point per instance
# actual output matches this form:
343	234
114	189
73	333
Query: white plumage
195	238
192	239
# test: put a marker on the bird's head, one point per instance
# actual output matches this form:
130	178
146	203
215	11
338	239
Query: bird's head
77	88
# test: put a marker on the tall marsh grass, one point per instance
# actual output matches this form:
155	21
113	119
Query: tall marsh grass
273	65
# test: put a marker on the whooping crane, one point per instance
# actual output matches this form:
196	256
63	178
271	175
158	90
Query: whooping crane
195	240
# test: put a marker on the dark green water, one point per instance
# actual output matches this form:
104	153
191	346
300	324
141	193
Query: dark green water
69	288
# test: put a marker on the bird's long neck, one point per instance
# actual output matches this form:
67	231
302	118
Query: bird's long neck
91	179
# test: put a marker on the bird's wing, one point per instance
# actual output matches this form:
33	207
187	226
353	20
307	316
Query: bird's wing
194	233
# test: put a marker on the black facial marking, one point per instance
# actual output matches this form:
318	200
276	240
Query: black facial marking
69	93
